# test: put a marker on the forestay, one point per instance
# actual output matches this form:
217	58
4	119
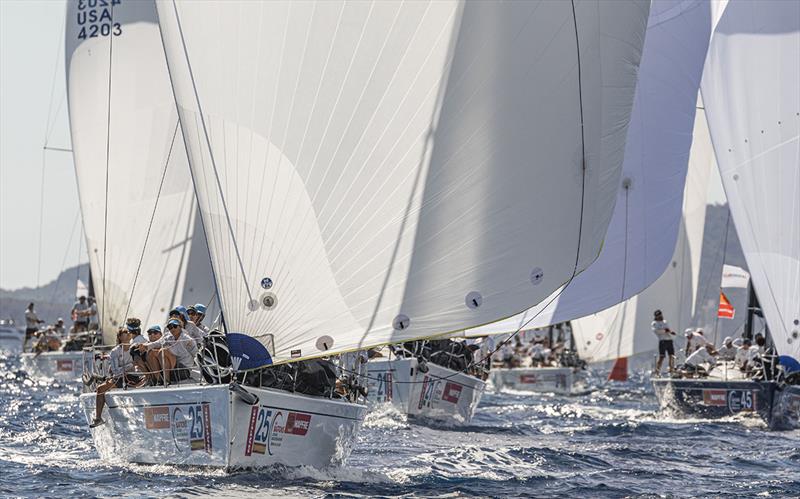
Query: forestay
125	131
751	89
647	217
373	172
624	329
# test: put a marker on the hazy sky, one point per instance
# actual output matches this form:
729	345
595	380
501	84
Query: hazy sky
31	53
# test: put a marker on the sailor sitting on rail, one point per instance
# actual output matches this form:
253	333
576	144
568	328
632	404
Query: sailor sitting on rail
181	313
727	351
704	355
59	328
540	355
197	313
173	354
48	341
122	373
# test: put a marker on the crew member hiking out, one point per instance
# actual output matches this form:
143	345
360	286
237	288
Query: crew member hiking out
665	346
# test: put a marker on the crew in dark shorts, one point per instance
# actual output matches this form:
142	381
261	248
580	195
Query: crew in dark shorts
32	322
665	346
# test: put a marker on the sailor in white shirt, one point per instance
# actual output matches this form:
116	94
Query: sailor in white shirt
746	355
197	313
704	355
173	354
695	340
727	351
32	322
665	346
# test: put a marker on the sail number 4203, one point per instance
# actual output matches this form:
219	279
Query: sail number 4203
95	18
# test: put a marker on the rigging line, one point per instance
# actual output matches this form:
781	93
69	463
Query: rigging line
48	126
59	149
627	186
108	161
41	221
211	152
192	176
152	218
64	260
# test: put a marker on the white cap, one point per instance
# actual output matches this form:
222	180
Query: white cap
688	331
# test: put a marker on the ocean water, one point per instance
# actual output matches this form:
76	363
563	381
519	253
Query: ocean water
609	442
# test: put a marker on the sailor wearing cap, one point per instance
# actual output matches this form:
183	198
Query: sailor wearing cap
665	346
171	355
694	340
197	313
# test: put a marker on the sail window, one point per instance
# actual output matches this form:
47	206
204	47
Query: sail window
266	283
473	300
269	300
324	343
401	322
537	275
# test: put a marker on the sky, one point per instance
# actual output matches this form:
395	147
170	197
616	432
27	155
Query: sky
31	69
31	64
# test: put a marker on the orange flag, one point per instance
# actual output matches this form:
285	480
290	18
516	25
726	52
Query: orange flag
726	310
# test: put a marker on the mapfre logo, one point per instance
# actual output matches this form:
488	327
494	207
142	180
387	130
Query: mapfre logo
297	423
452	392
715	397
156	418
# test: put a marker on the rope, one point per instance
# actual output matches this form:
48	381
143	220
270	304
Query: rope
152	218
211	154
724	252
64	260
108	158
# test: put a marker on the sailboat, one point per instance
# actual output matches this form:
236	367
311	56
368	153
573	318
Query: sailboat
639	244
752	104
365	175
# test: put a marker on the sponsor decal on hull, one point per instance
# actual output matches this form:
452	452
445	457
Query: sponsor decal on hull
715	397
452	392
268	427
64	365
528	379
190	424
734	400
382	387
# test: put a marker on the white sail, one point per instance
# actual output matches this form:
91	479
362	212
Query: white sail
751	90
647	217
624	329
376	172
125	132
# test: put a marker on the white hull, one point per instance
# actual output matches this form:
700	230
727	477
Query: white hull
209	425
558	380
58	365
440	393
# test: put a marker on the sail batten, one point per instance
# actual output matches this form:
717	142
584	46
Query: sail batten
376	172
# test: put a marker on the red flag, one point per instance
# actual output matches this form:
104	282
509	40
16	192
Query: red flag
620	370
725	310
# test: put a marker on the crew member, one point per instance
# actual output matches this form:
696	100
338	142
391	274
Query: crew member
32	322
665	346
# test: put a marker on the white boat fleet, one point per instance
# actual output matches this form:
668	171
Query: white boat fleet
376	199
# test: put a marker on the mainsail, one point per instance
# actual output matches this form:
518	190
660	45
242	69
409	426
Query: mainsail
131	165
647	218
751	90
382	171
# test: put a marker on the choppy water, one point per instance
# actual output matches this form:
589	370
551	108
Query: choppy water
611	442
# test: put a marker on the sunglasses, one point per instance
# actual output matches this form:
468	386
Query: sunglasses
154	332
173	327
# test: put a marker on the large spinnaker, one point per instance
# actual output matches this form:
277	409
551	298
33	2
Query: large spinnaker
624	329
377	172
125	131
751	90
646	222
